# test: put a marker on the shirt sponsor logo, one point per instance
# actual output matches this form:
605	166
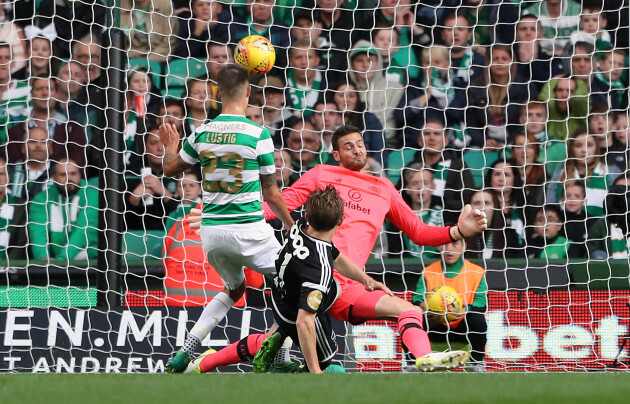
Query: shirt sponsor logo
355	195
225	126
356	206
314	299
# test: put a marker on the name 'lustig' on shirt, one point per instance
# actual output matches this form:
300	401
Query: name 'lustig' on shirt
221	138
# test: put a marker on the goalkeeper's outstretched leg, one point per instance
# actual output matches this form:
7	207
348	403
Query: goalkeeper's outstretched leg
357	305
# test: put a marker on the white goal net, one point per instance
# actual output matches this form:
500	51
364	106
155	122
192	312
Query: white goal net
517	107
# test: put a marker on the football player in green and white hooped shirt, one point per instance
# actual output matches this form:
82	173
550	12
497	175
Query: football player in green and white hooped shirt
237	165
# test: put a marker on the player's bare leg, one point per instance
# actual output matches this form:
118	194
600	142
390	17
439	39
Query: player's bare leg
211	316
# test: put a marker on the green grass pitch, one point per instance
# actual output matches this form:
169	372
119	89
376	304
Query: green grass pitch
319	389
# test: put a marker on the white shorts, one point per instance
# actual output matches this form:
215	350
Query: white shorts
232	247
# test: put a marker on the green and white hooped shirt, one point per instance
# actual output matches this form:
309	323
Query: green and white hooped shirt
303	98
596	189
619	243
556	31
233	152
14	107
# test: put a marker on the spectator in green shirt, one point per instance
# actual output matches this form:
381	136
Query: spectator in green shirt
63	221
548	239
31	175
567	104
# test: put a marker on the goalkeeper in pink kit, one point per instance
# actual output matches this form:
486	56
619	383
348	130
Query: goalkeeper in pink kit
368	201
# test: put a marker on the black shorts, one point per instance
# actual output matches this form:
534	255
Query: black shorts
325	336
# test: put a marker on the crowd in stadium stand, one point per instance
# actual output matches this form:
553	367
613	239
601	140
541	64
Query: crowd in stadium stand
518	107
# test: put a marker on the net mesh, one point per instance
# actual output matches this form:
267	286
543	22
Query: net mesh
517	107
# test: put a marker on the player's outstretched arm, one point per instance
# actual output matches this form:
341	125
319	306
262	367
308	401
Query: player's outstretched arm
348	269
172	164
305	324
470	222
273	197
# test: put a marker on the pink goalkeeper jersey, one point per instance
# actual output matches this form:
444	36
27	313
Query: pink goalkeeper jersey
368	202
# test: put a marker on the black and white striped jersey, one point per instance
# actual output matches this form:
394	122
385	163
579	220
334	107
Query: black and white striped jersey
305	275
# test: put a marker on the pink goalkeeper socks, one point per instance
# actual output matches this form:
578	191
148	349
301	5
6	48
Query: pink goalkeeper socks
413	336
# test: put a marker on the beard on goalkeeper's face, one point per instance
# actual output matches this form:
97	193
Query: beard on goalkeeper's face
353	163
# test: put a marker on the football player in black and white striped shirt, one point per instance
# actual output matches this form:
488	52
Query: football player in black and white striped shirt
305	288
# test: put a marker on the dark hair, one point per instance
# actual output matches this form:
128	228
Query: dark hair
302	14
408	172
212	43
301	44
192	172
193	80
456	15
495	229
537	173
324	209
351	117
342	131
64	64
5	45
518	198
580	130
232	79
598	109
497	217
52	80
170	102
435	119
528	17
575	183
550	208
534	103
380	26
588	47
620	114
150	125
595	5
